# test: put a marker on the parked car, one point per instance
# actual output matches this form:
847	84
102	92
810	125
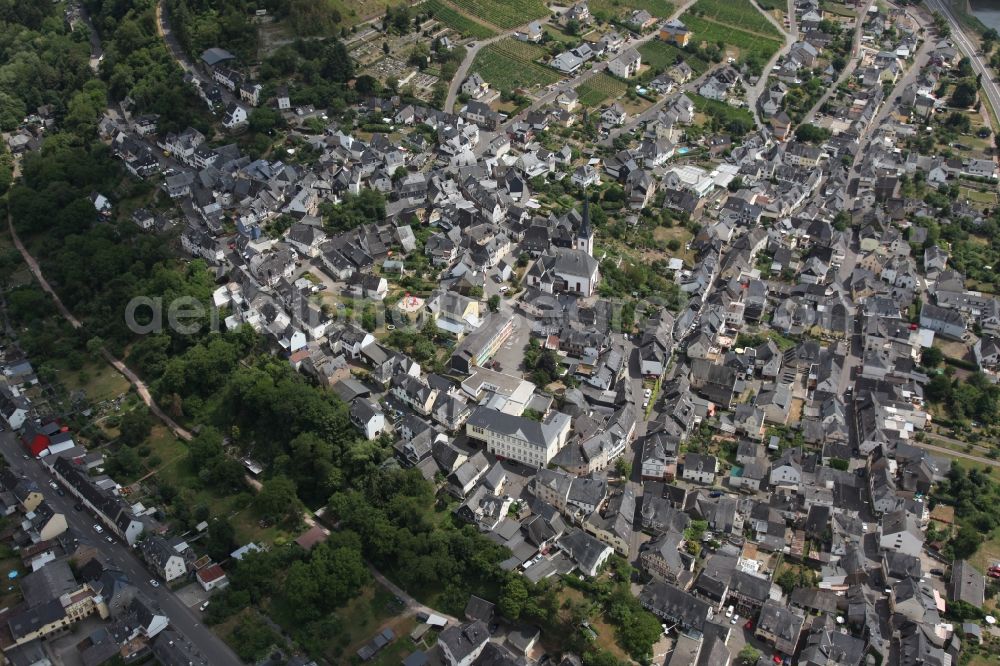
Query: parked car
98	528
203	606
154	582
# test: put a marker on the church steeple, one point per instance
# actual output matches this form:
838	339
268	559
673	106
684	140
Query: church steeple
585	236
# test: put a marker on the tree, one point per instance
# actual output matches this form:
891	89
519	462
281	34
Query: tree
749	655
135	426
513	597
965	543
964	95
221	539
264	120
494	303
277	499
623	467
931	357
812	133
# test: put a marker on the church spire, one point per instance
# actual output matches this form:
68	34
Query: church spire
585	235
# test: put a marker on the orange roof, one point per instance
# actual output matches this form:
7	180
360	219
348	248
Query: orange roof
211	573
307	540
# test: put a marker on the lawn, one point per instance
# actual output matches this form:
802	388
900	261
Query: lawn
358	621
738	13
978	196
720	110
838	9
598	88
661	56
9	562
988	553
749	44
455	20
98	380
507	14
605	632
510	64
616	8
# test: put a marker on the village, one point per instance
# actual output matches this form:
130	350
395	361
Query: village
628	300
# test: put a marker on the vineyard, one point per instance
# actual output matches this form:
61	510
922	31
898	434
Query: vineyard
447	16
510	64
661	56
749	44
737	13
598	88
507	14
611	8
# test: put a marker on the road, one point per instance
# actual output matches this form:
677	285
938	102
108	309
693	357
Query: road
462	72
140	386
651	112
178	55
412	605
183	619
967	46
956	454
96	50
757	89
791	36
889	103
848	69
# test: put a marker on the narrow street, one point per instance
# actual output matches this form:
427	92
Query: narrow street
186	620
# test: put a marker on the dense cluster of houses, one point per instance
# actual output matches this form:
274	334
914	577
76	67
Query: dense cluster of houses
772	417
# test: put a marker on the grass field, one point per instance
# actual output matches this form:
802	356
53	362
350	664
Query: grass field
838	9
97	379
510	64
737	13
749	44
612	8
456	21
507	14
598	88
718	109
661	56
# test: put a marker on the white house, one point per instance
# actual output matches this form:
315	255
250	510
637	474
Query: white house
627	64
518	438
212	577
462	645
699	468
900	531
236	116
367	417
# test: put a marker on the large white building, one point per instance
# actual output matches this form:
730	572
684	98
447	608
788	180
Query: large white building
517	438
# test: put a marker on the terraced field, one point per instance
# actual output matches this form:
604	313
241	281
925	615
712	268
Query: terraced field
455	20
510	64
662	56
739	14
749	44
506	14
598	88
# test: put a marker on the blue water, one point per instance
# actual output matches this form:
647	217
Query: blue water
683	151
987	11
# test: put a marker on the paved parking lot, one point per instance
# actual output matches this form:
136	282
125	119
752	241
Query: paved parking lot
511	354
192	595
